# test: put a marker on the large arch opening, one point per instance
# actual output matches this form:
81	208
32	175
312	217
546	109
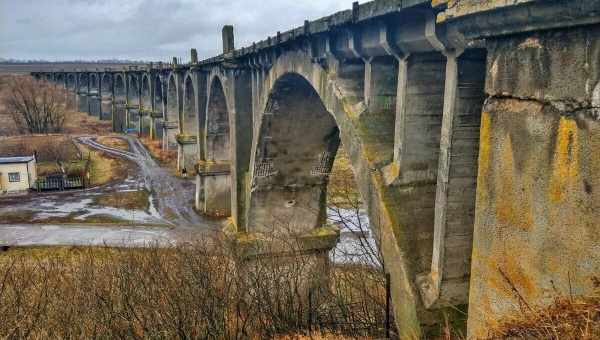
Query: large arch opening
60	79
133	97
119	119
94	99
172	102
146	105
159	106
172	114
296	147
82	93
216	177
146	94
190	111
71	91
106	86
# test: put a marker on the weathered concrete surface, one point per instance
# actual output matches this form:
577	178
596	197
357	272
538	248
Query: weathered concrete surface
403	81
538	194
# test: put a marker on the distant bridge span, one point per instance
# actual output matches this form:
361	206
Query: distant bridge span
472	128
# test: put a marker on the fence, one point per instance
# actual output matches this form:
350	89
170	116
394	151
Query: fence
325	316
61	184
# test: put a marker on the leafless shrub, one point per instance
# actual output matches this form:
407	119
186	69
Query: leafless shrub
36	106
198	291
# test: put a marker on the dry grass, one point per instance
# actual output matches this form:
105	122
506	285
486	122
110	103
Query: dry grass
114	142
131	200
82	123
191	292
167	159
568	318
28	144
105	168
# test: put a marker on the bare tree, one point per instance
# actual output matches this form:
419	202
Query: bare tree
36	106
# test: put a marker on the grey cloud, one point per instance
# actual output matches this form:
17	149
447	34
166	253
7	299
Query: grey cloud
143	29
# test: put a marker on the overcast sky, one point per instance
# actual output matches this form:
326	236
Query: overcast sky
144	29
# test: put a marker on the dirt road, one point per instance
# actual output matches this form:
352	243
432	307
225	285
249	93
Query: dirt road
171	202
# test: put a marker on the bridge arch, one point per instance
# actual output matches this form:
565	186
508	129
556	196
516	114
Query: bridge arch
106	84
83	82
216	174
71	81
296	144
120	91
134	90
94	82
172	99
106	89
146	92
190	107
159	105
60	78
159	98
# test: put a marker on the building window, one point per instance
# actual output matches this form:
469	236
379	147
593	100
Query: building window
14	177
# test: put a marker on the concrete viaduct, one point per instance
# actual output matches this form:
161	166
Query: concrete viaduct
472	128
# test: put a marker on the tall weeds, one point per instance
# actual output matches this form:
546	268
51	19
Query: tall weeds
199	291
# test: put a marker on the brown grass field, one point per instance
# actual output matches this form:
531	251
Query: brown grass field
114	142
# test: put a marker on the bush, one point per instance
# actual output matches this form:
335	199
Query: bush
198	291
36	106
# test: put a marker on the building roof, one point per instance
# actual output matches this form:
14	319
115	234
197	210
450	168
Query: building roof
12	160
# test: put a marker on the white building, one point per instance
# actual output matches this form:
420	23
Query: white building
17	174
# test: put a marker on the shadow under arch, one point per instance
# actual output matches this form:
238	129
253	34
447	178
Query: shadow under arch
106	86
119	114
190	107
146	94
82	93
215	172
292	158
133	102
171	126
159	105
146	105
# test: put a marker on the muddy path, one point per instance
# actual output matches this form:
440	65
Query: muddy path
169	219
173	196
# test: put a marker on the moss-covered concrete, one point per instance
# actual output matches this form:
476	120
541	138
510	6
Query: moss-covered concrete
538	194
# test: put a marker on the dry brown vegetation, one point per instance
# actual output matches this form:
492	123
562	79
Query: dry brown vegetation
74	122
167	158
105	168
131	200
199	291
35	106
568	318
114	142
46	146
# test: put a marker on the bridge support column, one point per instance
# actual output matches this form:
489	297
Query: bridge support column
106	106
538	190
82	100
95	105
213	189
119	117
187	153
170	130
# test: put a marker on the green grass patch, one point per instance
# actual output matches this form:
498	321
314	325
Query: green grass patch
130	200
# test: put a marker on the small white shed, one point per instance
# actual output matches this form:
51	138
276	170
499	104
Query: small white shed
17	174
